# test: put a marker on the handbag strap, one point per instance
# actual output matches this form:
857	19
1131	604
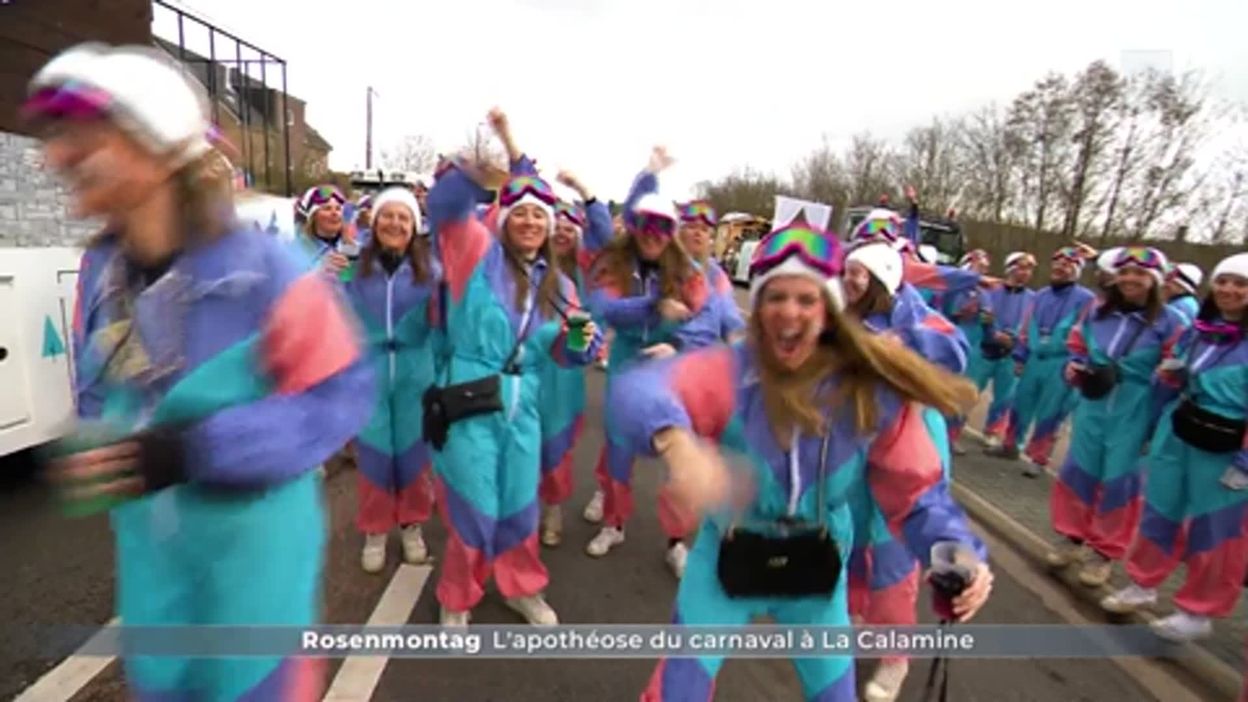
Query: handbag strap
1135	336
821	477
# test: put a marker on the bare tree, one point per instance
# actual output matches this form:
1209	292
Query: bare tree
742	191
820	177
413	153
870	169
1039	136
985	164
1095	94
929	162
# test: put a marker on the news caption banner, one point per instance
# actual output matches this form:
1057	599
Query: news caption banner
626	641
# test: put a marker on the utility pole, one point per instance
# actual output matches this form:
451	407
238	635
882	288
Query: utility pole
368	132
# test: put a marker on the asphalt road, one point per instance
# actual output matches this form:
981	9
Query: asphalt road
60	572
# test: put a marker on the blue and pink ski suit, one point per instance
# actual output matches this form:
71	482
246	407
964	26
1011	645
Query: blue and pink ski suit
1096	497
715	393
253	364
1009	306
489	471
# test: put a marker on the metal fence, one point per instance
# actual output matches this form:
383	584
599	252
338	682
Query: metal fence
252	114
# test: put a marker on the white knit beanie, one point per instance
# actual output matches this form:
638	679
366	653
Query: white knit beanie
882	261
398	196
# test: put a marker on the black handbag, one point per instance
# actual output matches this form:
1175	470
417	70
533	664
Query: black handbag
1205	430
445	406
790	559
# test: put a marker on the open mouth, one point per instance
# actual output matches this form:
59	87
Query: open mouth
788	342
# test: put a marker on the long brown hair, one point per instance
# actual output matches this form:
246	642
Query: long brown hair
568	262
618	261
1115	301
863	363
418	253
548	289
876	300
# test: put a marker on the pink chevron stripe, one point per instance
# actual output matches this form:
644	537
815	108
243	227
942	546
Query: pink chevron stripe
908	465
415	502
375	508
307	337
1214	580
937	323
1070	516
1148	565
463	245
703	382
617	505
895	605
519	572
695	292
464	569
677	522
307	682
1112	532
1075	343
923	275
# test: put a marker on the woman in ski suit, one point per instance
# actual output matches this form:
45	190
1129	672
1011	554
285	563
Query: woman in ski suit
697	235
655	298
967	309
1001	331
223	372
1040	356
1196	492
883	575
505	311
757	399
1114	351
392	296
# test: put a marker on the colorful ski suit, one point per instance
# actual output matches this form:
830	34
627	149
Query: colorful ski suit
883	575
1189	515
964	309
490	468
254	365
1186	305
715	393
1041	398
1008	306
394	483
1096	495
633	316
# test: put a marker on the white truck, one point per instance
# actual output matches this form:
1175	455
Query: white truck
38	288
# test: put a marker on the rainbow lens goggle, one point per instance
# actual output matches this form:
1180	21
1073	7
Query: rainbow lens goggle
570	212
519	186
1141	256
879	228
698	210
1068	253
976	255
811	246
71	100
323	194
651	224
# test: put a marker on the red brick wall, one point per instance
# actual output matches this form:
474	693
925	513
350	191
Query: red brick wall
32	31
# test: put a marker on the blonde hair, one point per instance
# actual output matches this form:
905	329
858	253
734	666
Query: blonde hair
863	363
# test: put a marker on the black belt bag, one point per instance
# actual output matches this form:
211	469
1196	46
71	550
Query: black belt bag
445	406
1205	430
802	563
789	560
1098	380
991	350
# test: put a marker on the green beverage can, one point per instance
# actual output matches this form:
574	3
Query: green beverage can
578	340
85	437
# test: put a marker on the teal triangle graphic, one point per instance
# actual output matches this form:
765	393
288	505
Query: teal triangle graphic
52	344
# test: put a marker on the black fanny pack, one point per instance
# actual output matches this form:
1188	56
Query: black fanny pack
1098	380
801	563
445	406
992	350
1205	430
793	559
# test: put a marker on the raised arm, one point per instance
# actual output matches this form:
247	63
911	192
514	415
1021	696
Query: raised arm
461	240
598	231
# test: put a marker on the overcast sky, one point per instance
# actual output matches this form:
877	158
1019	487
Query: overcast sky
590	85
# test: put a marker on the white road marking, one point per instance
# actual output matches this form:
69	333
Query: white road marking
359	675
71	675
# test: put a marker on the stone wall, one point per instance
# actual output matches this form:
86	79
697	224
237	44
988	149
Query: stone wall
33	206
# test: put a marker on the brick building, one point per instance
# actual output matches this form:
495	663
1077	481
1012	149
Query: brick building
32	206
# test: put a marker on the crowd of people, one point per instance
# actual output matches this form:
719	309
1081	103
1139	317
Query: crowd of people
446	337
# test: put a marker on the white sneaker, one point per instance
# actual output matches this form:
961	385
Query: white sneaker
455	619
1182	627
593	510
1129	599
676	558
552	525
885	683
414	548
607	539
1096	571
534	609
373	557
958	448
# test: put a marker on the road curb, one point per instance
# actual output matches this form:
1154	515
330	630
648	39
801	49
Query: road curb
1222	678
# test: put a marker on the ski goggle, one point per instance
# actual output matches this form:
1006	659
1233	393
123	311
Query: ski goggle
72	101
519	186
879	228
1218	332
811	246
974	256
570	212
1141	256
365	203
698	210
1068	253
323	194
655	225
